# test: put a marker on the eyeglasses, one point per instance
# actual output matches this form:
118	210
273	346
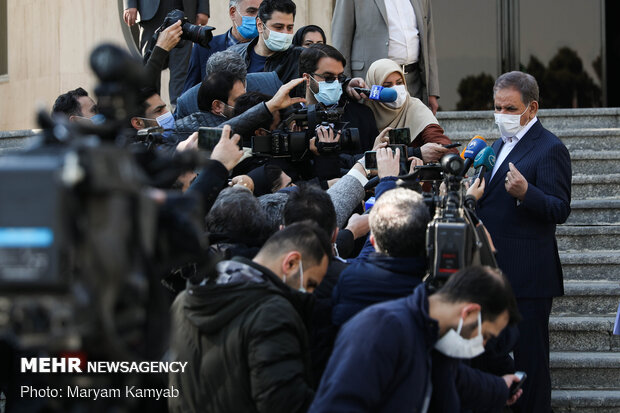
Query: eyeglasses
329	78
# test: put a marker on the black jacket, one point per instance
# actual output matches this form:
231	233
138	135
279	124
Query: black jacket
245	343
285	64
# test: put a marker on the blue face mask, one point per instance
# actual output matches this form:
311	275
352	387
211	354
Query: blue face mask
248	28
98	119
166	121
329	93
278	42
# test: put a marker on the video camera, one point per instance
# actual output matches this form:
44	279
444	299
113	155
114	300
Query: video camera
284	143
455	238
84	245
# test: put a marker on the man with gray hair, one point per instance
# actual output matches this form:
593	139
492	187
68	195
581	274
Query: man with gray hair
527	194
228	61
398	223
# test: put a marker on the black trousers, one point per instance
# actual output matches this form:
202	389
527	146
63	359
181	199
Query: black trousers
532	355
178	59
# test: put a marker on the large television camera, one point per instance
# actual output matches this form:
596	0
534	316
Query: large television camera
294	144
85	241
455	237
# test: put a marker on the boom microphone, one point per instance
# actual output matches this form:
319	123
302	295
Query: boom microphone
378	93
474	146
484	161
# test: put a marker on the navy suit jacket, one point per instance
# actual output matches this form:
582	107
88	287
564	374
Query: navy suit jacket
524	234
198	60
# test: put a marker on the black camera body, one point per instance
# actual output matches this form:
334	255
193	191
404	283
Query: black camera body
284	143
455	238
201	35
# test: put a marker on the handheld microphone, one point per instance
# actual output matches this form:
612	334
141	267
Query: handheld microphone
484	161
378	93
473	148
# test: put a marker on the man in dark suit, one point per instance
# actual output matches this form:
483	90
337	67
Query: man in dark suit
527	194
243	16
152	15
401	30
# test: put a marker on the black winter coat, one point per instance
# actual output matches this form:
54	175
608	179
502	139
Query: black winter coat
245	343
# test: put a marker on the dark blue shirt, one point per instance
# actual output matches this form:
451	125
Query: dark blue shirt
257	62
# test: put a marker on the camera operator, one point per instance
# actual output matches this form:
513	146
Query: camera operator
382	356
243	327
152	15
323	68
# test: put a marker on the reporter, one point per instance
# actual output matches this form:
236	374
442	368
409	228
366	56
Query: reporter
405	112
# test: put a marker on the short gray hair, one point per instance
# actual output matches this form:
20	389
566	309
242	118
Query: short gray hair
227	61
398	223
522	82
233	3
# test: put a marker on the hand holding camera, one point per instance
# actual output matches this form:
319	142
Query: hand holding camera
170	37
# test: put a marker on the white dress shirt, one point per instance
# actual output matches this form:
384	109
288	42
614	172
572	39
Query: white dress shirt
510	144
404	44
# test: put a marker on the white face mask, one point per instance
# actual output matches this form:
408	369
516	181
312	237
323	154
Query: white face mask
509	125
403	94
277	42
301	278
453	345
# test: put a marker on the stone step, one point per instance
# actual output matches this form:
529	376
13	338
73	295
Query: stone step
483	123
601	265
588	297
574	139
588	237
585	401
595	186
592	162
583	333
593	211
585	370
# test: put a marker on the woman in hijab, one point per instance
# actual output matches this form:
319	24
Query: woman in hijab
406	112
309	35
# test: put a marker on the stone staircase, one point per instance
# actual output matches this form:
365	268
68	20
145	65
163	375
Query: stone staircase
585	356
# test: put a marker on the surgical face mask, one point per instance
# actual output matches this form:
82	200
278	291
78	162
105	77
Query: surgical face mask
453	345
509	125
329	93
248	28
403	94
166	121
278	42
301	278
228	112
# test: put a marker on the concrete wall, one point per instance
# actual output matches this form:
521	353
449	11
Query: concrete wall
49	42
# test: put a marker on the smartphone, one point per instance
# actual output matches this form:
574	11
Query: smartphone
452	145
402	149
515	386
370	160
208	137
400	136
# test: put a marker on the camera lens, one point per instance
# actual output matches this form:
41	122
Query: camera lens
197	34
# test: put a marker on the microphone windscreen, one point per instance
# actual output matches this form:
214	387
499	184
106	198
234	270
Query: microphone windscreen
388	94
473	147
486	158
